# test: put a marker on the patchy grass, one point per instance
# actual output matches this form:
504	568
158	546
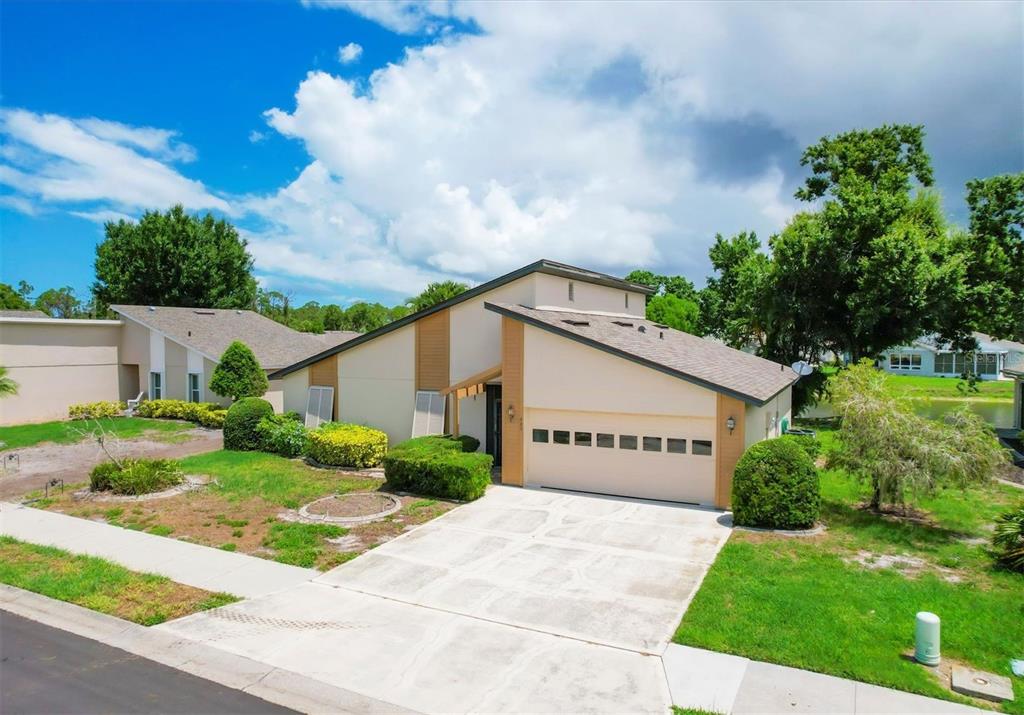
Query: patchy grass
843	603
101	585
946	388
241	511
69	432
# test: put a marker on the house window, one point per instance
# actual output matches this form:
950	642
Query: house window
540	435
945	363
904	361
605	440
561	436
195	390
627	441
583	439
702	447
572	292
652	444
987	363
156	386
675	446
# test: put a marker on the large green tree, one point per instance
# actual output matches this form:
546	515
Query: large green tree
11	299
436	293
674	302
59	303
238	374
732	303
174	259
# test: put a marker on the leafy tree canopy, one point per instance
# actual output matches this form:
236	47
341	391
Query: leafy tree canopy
175	259
11	299
238	374
673	311
676	285
436	293
59	303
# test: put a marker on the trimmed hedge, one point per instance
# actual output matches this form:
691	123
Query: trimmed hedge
775	486
281	434
96	410
240	424
136	476
437	466
207	414
344	445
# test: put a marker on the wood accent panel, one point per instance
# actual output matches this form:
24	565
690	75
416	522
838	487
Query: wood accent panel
512	398
433	345
324	373
728	447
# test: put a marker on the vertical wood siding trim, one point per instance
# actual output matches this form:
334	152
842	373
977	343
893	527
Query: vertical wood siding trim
728	447
433	348
325	374
512	397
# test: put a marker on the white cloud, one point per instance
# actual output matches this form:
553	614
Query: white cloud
404	16
56	160
255	136
349	53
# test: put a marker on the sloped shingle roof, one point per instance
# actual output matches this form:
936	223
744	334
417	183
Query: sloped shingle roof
704	362
210	331
23	314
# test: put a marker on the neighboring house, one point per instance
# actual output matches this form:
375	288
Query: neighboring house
557	373
22	314
161	352
928	357
1017	375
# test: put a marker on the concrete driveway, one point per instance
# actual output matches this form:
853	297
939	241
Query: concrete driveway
522	601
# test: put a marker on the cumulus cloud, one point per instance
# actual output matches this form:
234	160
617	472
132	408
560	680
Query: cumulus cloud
404	16
256	136
349	53
57	160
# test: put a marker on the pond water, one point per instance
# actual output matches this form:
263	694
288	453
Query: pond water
996	412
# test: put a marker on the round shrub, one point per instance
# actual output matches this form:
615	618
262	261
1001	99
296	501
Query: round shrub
280	434
343	445
437	466
240	423
135	476
775	486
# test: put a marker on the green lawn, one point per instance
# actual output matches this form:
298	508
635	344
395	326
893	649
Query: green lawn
807	603
101	585
285	482
946	387
68	432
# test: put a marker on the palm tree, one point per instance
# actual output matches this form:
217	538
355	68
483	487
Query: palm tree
8	386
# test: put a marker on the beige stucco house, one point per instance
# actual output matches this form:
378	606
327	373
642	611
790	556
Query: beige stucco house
559	375
155	351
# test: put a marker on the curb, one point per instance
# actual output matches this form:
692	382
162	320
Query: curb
281	687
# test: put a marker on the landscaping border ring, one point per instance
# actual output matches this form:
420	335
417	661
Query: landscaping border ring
304	514
190	484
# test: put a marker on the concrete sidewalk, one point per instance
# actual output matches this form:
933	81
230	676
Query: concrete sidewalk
722	683
191	564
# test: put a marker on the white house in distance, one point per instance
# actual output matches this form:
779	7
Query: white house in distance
927	357
559	375
156	351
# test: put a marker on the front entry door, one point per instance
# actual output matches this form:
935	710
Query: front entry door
493	445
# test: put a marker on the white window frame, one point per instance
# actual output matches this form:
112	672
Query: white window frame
905	361
153	387
199	386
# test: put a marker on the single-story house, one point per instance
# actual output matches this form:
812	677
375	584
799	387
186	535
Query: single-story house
559	375
1017	375
156	351
927	356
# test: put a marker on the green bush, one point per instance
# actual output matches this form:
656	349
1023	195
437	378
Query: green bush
207	414
469	444
96	410
240	423
775	486
213	419
238	374
282	435
344	445
1008	539
810	445
135	476
437	466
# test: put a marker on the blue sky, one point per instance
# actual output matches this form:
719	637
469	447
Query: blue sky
462	140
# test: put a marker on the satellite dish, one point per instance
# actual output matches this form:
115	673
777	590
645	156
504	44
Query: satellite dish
802	368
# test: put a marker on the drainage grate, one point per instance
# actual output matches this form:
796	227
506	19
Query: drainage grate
282	623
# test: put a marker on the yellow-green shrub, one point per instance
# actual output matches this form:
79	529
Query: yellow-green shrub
207	414
344	445
96	410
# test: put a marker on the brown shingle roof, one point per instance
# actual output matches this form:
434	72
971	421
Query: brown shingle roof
211	330
704	362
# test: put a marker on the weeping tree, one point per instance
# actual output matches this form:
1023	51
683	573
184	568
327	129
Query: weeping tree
901	455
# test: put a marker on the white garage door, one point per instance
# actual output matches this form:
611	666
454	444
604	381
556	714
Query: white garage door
667	458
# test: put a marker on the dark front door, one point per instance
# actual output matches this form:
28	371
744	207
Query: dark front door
493	444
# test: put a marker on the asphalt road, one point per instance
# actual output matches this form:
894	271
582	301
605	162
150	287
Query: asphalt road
46	670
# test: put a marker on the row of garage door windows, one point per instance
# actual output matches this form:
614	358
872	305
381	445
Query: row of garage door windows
673	445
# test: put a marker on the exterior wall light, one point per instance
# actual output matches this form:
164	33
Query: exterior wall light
731	424
511	413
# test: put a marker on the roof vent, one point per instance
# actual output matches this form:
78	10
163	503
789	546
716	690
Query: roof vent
623	323
190	333
642	329
661	335
151	309
238	312
578	323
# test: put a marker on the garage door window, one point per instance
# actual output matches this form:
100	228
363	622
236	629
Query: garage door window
627	441
652	444
561	436
675	446
605	440
540	435
702	447
584	439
